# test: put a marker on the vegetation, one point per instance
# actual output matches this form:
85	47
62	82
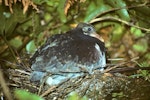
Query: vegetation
124	25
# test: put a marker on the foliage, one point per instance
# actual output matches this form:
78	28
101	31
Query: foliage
118	95
24	95
25	25
25	30
28	28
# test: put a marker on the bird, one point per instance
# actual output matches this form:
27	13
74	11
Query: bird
69	55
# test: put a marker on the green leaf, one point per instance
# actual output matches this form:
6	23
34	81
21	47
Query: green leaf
120	95
123	13
147	55
94	10
16	42
61	11
144	63
24	95
136	32
7	14
75	96
140	47
48	17
143	16
8	21
118	32
30	47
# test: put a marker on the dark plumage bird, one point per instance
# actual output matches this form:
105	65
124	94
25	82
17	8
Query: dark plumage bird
69	55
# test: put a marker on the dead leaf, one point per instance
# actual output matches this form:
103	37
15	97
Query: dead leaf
70	3
25	3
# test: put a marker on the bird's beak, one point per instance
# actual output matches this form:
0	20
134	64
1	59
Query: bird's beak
97	36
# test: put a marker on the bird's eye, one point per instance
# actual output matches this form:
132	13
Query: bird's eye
89	29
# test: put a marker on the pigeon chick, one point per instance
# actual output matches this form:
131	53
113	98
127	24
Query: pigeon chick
69	55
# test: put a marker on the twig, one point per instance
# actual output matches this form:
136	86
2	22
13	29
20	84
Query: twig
119	20
125	7
53	88
115	59
10	48
8	62
41	86
5	87
22	71
48	91
118	65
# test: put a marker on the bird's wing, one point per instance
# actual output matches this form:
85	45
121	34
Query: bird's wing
49	42
64	52
53	55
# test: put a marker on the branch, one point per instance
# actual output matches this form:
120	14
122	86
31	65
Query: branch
4	86
118	20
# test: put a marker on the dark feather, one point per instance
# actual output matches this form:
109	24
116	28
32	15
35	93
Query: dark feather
72	51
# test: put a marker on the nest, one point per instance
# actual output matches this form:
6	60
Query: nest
95	87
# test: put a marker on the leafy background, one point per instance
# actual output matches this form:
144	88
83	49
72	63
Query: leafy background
124	25
24	26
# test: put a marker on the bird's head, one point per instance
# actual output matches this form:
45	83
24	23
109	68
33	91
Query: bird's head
89	30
